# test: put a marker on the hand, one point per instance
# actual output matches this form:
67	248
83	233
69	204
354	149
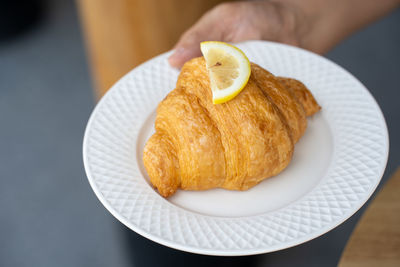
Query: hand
236	22
316	25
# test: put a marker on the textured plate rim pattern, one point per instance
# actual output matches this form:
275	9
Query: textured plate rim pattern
329	204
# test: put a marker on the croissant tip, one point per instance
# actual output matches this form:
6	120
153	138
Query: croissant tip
165	191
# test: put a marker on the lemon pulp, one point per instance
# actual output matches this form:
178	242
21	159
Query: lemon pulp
228	68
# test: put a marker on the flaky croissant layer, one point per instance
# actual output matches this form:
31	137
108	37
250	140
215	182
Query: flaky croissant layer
234	145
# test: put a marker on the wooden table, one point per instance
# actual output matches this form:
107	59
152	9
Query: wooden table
376	239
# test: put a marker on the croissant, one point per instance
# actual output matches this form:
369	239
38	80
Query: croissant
235	145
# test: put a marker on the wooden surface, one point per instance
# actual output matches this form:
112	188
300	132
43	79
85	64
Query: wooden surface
120	34
376	238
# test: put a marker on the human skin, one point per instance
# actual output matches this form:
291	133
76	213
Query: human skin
316	25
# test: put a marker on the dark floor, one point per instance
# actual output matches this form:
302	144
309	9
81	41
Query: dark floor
49	214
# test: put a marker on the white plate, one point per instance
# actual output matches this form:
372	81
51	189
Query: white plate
335	168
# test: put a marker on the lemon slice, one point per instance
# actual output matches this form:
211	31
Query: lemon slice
228	68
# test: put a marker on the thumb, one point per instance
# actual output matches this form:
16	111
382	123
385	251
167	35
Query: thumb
187	48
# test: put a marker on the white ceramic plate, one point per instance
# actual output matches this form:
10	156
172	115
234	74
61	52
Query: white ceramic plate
335	168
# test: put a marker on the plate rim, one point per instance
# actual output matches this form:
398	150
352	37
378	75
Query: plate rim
234	252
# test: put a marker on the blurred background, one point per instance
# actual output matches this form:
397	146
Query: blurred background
49	214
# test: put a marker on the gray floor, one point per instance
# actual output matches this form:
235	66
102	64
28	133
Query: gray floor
50	216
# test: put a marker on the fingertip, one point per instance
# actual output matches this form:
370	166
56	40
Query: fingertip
175	60
181	55
174	63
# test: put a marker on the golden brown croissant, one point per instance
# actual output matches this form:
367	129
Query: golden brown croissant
234	145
